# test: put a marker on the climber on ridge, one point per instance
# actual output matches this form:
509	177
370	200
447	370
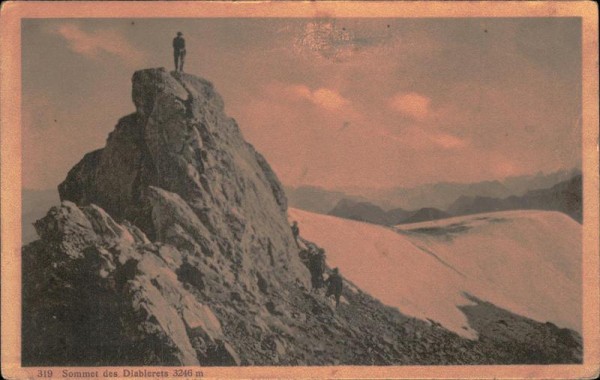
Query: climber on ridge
296	232
316	265
179	51
334	286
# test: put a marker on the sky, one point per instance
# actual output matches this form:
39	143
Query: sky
336	103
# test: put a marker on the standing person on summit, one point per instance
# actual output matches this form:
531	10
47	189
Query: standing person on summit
179	51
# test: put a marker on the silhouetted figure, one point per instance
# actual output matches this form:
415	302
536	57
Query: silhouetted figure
179	51
334	286
316	265
296	232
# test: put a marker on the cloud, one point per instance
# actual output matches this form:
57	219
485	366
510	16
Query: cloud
93	44
505	168
326	98
448	141
329	99
411	104
420	139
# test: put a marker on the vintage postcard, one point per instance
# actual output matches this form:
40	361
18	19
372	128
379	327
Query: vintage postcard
299	190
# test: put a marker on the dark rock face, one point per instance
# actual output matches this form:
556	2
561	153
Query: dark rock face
109	296
180	170
530	342
180	150
172	247
179	140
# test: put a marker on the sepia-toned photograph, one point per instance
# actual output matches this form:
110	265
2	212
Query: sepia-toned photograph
297	189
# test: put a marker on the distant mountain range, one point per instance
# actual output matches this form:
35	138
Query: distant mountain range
425	214
315	199
442	195
368	212
437	195
565	197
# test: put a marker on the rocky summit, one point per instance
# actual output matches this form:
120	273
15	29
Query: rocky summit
172	247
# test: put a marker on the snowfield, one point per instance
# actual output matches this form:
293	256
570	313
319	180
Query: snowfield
528	262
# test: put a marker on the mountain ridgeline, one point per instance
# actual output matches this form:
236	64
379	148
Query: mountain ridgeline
438	195
565	196
368	212
171	246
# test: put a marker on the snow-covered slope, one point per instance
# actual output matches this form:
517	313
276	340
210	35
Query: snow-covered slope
528	262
